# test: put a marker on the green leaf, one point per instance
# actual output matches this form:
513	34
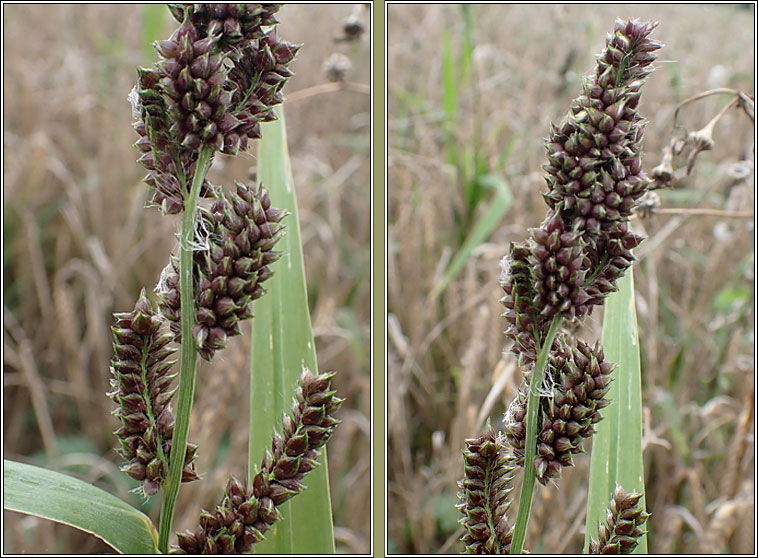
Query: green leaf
282	343
617	445
480	232
64	499
449	99
449	79
731	299
444	511
467	53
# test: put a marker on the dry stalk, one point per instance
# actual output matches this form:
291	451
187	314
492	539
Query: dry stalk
330	87
738	448
34	383
37	265
697	141
704	212
471	371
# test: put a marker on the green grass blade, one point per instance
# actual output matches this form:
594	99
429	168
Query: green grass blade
64	499
449	81
282	342
479	232
617	445
467	53
449	98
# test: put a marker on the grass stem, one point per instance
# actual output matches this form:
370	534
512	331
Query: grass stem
530	442
188	351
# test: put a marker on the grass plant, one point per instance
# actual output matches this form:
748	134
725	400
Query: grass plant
179	145
447	373
570	264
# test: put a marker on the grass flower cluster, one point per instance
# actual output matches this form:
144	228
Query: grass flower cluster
218	77
483	495
581	379
81	246
246	512
623	526
570	264
142	389
229	268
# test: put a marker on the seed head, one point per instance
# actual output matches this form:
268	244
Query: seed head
623	525
235	24
336	67
162	155
219	75
483	495
594	170
233	261
192	78
664	172
610	257
575	258
520	312
580	378
559	268
260	71
142	388
246	512
352	28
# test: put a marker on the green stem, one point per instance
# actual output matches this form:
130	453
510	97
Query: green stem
530	441
189	352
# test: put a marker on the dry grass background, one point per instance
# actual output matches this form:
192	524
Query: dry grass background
447	367
78	245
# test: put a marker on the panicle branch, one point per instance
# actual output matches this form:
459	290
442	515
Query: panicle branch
141	385
246	512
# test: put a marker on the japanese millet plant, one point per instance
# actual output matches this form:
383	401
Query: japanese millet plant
564	268
218	78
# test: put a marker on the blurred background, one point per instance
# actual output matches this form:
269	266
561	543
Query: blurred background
78	244
472	92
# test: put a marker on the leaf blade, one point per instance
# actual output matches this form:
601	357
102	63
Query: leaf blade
282	343
51	495
617	444
480	232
